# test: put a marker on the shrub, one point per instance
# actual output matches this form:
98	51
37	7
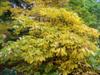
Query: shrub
51	41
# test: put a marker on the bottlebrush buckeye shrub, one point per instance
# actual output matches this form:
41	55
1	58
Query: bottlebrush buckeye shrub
4	5
54	3
52	41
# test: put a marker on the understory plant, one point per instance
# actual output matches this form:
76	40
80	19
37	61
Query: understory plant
48	41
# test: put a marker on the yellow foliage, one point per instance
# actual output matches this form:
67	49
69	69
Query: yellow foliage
56	36
51	3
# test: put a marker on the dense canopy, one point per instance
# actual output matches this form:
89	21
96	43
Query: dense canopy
46	39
